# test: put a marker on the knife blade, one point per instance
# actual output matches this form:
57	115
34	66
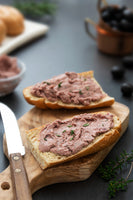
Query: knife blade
16	150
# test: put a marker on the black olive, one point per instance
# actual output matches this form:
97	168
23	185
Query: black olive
122	8
115	28
125	26
128	15
113	23
128	62
117	72
118	16
127	89
106	15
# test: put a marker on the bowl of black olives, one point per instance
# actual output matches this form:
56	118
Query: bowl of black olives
118	22
114	30
117	19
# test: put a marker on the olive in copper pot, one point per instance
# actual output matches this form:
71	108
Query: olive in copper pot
113	23
106	15
117	72
128	14
118	16
126	26
122	8
127	89
115	28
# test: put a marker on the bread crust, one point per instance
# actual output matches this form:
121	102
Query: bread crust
48	159
45	103
3	31
13	20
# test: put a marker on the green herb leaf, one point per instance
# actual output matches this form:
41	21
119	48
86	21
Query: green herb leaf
59	85
84	79
64	131
69	126
86	124
80	92
87	87
72	132
58	135
72	138
45	139
46	82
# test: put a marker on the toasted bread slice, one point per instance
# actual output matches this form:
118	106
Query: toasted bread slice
45	103
48	159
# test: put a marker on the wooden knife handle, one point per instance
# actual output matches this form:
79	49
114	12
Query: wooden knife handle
19	178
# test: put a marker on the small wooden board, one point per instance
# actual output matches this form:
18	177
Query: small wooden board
75	170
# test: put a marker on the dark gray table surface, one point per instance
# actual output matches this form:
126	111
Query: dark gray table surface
67	47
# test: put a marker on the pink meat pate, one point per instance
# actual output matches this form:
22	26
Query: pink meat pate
67	137
69	88
8	66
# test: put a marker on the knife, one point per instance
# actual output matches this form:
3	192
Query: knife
16	150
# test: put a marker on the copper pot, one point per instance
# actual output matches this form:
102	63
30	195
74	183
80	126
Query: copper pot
109	41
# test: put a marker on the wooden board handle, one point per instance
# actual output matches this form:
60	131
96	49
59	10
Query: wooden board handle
19	178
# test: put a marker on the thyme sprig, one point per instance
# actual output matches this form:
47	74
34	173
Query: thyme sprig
34	8
117	185
113	169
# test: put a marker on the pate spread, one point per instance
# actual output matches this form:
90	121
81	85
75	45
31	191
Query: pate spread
69	88
8	66
70	136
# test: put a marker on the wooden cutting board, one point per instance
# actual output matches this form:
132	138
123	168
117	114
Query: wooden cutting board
75	170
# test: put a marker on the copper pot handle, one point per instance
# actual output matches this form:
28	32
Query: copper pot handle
87	22
99	4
